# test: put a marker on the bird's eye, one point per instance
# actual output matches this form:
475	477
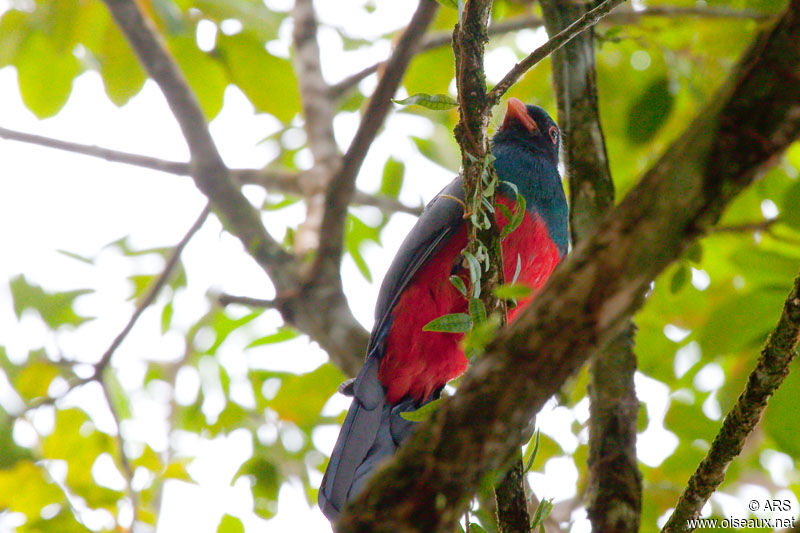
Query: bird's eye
554	134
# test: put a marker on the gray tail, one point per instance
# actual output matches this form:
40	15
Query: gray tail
372	432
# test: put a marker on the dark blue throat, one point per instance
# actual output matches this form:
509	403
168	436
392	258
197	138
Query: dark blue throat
537	179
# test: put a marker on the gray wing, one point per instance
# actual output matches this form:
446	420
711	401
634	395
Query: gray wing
373	429
440	219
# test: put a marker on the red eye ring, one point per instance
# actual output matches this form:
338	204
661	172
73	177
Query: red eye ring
553	131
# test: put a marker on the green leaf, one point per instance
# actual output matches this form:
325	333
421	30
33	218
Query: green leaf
453	323
284	333
54	308
267	81
392	179
534	451
695	252
266	482
430	72
480	335
458	283
356	232
423	413
25	489
679	278
34	379
474	273
44	75
14	27
437	102
166	317
301	398
123	77
512	291
205	75
477	311
780	420
541	513
790	214
230	524
649	111
223	325
449	3
742	321
10	452
516	220
118	397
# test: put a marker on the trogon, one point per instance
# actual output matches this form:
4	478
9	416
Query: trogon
407	367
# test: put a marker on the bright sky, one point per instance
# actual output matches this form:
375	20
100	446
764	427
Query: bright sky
51	200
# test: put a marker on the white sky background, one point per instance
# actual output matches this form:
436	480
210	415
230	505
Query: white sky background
52	200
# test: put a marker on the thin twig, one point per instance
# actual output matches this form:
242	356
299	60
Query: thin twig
227	299
749	227
439	39
275	181
152	292
586	21
771	369
341	187
123	458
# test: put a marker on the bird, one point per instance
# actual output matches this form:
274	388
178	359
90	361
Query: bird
406	367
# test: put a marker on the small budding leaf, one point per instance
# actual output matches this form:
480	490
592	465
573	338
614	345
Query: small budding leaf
437	102
423	413
477	311
679	279
542	512
695	252
534	451
518	270
505	211
512	291
474	273
458	283
516	220
453	323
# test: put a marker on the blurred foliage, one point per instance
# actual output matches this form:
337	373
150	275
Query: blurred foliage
706	316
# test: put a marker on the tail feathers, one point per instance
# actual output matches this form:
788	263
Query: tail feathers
371	432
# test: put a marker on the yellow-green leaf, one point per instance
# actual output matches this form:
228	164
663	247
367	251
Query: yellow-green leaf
44	75
301	398
437	102
123	78
423	413
34	379
25	489
205	75
267	81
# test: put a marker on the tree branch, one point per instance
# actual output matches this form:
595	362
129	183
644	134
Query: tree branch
318	110
771	370
341	187
284	182
591	297
227	299
615	484
586	21
208	170
469	41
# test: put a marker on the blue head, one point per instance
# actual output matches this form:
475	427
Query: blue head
526	154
